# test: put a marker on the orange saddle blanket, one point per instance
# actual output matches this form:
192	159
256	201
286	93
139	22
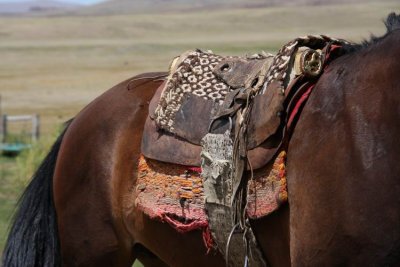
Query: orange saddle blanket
174	193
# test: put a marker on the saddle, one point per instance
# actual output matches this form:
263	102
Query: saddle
201	84
177	139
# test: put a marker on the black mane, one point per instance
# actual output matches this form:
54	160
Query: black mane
392	23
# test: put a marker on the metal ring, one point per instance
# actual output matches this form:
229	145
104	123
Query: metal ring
311	63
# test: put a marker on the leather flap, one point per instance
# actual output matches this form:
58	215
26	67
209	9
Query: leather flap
159	145
193	118
265	115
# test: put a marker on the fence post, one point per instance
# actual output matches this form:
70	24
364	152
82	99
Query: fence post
4	128
35	127
1	123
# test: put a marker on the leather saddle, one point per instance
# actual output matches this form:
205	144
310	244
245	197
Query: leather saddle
284	78
192	120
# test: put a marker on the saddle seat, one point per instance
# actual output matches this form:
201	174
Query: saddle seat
202	86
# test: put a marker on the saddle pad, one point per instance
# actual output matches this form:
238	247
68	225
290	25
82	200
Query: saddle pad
174	193
267	190
171	193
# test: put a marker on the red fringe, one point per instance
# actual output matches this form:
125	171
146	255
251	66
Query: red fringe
208	240
195	169
184	227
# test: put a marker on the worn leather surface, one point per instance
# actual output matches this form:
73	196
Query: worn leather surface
192	123
159	145
193	118
237	72
265	116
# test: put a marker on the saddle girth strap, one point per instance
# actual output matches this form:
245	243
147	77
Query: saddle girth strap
224	160
217	170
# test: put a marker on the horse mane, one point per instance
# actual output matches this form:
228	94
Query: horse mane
392	24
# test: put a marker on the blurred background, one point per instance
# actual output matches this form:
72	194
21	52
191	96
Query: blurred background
57	56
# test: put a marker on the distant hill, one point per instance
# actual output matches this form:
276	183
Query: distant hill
109	7
39	6
156	6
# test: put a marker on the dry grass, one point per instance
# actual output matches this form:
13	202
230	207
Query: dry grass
56	65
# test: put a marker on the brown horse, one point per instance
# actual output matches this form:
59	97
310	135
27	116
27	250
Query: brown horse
343	179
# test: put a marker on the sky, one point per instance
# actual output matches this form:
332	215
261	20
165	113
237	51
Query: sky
84	2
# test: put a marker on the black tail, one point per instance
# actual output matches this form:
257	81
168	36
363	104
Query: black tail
33	238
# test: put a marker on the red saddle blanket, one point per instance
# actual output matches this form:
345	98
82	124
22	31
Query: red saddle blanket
174	193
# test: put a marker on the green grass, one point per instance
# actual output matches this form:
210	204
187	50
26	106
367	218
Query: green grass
15	174
8	195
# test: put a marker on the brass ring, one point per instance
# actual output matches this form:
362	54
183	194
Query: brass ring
311	63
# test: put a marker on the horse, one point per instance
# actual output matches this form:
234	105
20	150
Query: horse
342	168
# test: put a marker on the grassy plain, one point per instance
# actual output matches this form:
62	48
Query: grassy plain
56	65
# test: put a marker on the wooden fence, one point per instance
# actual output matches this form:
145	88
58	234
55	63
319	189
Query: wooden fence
6	119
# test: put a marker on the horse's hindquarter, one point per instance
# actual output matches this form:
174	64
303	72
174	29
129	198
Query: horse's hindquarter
343	163
94	184
93	175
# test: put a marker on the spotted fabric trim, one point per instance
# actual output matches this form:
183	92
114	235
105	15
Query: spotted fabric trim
279	69
193	76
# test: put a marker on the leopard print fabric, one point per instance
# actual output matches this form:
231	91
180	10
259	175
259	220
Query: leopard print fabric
193	76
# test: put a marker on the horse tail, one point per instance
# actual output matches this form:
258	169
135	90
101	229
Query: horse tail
33	238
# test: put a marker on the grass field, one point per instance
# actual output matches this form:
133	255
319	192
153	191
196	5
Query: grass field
55	65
